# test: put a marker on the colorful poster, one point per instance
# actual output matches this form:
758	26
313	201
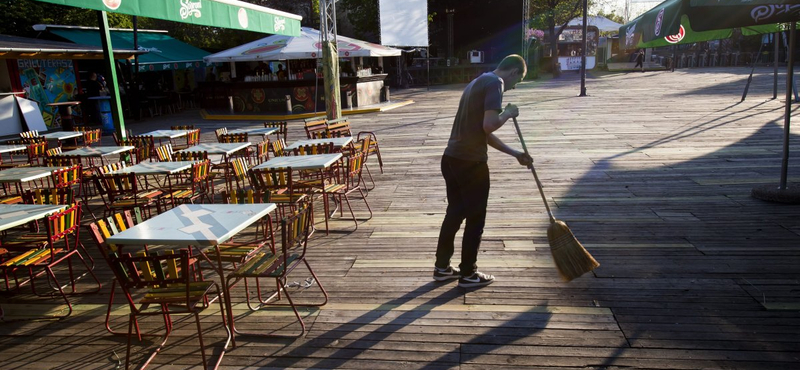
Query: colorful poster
48	81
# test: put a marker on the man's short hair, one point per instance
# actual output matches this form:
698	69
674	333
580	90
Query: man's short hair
513	61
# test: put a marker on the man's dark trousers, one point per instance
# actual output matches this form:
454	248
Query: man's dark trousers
467	197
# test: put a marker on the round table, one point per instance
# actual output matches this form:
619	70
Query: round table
65	113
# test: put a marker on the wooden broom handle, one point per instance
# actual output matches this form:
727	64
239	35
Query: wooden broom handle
533	171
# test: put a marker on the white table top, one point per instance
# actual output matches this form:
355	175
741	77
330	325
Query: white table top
12	148
194	224
254	131
62	135
217	148
97	151
166	134
155	168
24	174
302	162
338	142
12	215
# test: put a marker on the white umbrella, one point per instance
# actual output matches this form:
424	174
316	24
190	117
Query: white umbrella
602	23
305	46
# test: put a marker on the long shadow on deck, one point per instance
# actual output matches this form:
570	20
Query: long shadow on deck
695	250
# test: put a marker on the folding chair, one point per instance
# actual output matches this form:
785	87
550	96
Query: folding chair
192	139
278	264
60	244
278	183
168	286
316	128
262	152
219	132
281	126
123	193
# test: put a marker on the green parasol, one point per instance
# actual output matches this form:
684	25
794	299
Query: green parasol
216	13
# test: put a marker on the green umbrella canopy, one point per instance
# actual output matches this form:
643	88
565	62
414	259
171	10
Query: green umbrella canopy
216	13
687	21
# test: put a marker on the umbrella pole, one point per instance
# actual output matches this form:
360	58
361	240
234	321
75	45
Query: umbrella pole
775	39
750	78
787	115
583	52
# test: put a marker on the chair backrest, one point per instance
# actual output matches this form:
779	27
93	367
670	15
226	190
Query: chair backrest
279	148
220	131
37	151
121	185
91	137
189	156
81	128
144	270
62	224
29	134
233	138
49	196
165	153
262	151
240	169
355	163
246	196
118	140
316	128
181	127
193	137
281	126
145	147
272	180
67	177
322	148
102	170
339	128
295	230
53	151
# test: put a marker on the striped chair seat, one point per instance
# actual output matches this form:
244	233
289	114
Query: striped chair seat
264	264
12	199
141	198
176	294
234	252
286	198
32	257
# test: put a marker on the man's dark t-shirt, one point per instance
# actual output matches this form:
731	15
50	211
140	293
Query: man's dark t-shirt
468	141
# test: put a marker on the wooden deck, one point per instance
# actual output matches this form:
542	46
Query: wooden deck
653	173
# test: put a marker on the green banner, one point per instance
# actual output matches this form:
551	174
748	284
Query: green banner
216	13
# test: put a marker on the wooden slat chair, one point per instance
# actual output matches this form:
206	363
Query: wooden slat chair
341	128
237	138
281	126
117	139
182	127
278	183
261	152
34	155
236	251
101	230
316	128
219	132
279	148
145	148
90	137
40	196
200	186
272	264
165	153
239	175
124	193
164	282
61	244
99	184
17	157
29	136
322	148
348	181
192	139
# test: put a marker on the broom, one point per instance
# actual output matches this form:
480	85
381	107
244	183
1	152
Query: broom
571	258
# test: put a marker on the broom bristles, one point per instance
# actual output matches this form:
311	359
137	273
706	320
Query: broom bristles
571	258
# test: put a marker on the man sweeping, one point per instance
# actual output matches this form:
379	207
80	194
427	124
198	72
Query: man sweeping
466	174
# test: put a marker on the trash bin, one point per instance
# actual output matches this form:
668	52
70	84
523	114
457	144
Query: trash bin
104	108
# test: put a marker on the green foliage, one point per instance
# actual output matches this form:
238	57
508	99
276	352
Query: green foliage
363	15
17	17
612	16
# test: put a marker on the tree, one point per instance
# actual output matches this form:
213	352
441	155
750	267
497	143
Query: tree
363	15
612	16
554	15
17	17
